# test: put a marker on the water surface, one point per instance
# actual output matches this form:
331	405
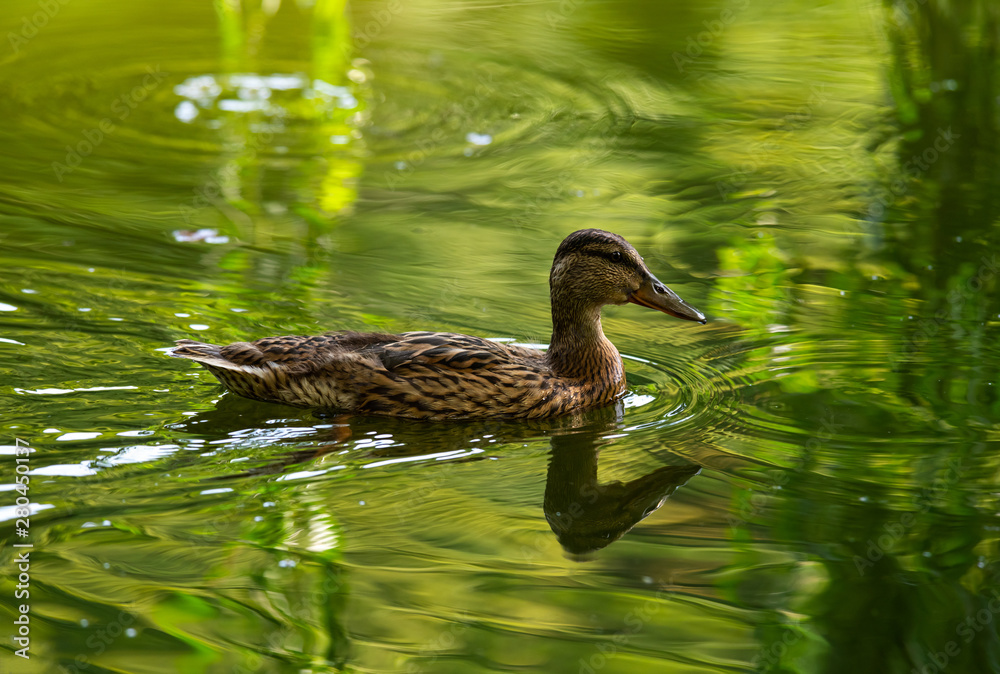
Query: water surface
808	483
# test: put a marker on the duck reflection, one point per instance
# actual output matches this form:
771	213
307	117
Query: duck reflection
586	515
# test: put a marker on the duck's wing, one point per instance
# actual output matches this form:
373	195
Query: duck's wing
450	351
438	375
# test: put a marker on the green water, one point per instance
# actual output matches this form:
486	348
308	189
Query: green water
808	483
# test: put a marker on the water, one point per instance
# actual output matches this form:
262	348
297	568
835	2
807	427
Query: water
806	484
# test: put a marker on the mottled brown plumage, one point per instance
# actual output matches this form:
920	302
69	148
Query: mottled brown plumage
440	375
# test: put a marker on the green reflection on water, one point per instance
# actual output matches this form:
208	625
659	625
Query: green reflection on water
806	484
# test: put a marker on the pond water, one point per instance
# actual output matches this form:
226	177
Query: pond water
808	483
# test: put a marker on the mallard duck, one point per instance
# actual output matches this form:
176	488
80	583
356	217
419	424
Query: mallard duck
440	375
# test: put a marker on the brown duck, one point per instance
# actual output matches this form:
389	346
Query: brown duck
440	375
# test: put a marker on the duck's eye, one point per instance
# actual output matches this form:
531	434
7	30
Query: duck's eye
616	256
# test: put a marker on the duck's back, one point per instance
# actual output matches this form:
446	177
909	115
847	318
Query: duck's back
420	375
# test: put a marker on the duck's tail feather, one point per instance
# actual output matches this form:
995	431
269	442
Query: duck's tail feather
250	381
212	356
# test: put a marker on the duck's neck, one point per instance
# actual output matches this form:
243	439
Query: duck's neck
578	348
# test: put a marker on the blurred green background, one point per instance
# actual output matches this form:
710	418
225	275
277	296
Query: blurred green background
806	484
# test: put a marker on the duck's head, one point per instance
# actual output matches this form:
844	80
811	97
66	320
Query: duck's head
593	268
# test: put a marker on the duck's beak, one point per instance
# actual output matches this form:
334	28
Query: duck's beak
655	295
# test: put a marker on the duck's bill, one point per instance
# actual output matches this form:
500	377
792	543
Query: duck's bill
655	295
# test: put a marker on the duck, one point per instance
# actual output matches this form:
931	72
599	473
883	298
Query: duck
439	376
